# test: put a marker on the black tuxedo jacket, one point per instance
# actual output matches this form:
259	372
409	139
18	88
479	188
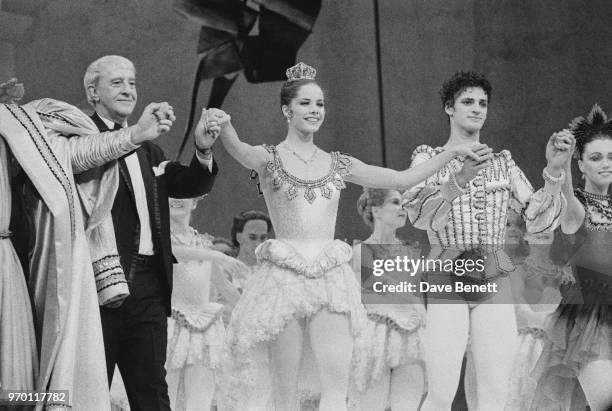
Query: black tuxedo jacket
178	181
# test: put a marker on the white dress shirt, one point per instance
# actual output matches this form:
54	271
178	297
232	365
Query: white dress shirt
145	246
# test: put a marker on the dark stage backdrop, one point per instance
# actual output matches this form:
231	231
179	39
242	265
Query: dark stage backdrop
548	61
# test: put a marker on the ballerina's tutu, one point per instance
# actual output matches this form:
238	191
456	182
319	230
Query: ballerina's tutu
577	333
522	382
195	330
392	337
284	286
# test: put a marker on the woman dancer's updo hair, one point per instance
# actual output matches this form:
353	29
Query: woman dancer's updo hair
594	126
297	76
371	197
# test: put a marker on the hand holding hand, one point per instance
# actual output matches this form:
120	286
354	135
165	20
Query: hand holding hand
209	127
559	150
156	119
478	157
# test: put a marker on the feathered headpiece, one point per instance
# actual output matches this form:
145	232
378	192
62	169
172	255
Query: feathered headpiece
584	129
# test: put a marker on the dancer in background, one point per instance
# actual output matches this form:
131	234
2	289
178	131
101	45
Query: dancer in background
389	363
579	333
303	290
535	286
250	228
195	329
464	208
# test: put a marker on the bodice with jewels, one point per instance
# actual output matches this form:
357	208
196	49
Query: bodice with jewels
593	251
303	209
477	217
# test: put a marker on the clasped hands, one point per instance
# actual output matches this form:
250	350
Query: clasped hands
156	119
478	157
559	150
209	127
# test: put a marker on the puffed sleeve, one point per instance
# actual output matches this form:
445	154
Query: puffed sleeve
429	202
542	209
88	147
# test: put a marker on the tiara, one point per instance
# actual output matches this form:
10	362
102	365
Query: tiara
301	71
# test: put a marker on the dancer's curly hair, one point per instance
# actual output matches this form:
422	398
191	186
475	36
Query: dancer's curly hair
459	82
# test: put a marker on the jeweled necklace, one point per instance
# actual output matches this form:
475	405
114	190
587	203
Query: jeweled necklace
596	201
599	197
302	159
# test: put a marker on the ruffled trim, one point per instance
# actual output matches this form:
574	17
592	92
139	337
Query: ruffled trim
286	256
197	320
425	149
405	321
536	333
195	344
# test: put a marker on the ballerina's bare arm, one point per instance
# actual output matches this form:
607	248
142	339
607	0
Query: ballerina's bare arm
573	216
252	157
218	277
380	177
184	253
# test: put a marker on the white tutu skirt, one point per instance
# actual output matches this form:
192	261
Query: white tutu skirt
283	287
522	381
195	337
392	337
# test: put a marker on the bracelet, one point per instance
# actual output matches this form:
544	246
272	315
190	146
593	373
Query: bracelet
553	180
204	152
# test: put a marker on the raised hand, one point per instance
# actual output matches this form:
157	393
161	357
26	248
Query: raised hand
478	157
559	149
209	127
156	119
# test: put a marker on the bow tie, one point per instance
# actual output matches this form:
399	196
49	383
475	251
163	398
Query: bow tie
117	127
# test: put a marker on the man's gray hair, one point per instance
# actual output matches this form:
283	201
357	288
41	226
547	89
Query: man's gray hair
92	74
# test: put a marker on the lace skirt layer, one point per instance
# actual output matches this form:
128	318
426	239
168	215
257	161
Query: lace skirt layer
284	287
392	337
576	335
522	381
195	337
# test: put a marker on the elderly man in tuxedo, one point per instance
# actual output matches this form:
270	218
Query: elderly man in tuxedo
135	332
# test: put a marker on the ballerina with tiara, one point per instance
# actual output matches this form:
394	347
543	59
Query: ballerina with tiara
302	296
579	333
